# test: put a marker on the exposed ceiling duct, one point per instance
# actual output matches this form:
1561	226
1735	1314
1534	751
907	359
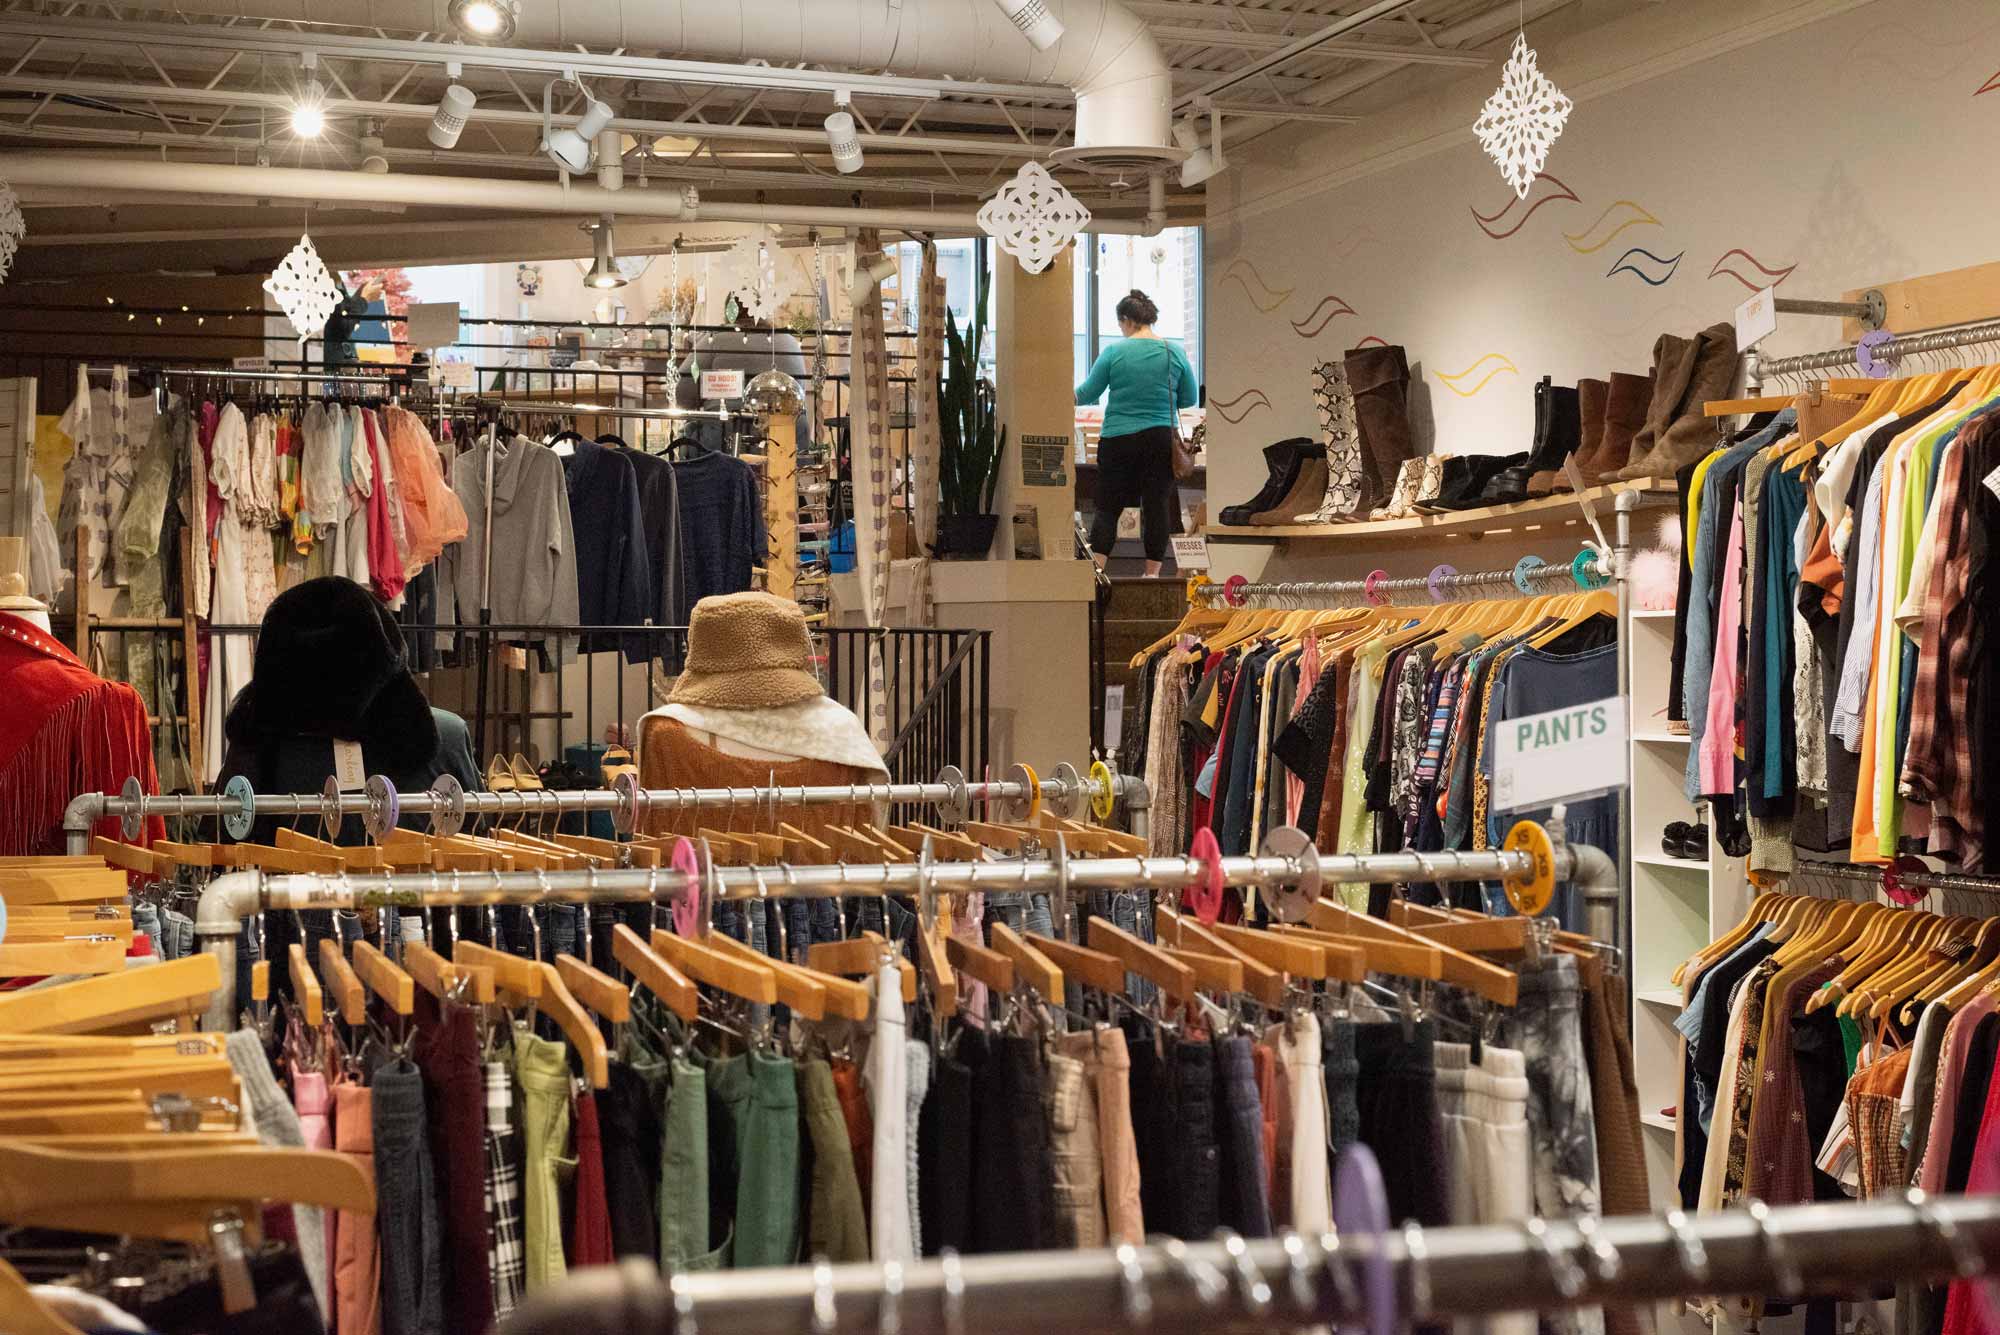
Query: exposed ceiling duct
1123	87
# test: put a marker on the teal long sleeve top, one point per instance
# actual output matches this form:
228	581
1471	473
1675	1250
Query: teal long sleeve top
1150	380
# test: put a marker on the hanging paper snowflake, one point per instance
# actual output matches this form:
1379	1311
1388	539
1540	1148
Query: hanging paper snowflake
1521	120
751	264
13	227
306	292
1033	217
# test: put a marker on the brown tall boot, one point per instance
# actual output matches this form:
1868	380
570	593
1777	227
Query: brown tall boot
1380	380
1624	413
1673	364
1307	491
1689	433
1590	396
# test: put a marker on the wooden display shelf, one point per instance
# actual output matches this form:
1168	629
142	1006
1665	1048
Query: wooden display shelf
1558	511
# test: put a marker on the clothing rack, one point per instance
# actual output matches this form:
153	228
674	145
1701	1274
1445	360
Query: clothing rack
549	406
447	804
1942	339
1913	880
1609	562
289	377
1351	1277
1289	866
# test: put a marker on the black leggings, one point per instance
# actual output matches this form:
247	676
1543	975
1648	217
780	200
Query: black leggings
1135	469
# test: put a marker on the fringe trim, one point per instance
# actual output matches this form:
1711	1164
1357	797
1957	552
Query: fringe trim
90	743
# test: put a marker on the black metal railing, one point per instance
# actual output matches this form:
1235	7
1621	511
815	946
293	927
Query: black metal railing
526	695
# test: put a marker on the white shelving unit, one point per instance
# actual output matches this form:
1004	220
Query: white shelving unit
1678	905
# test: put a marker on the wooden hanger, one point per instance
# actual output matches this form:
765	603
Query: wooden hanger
1092	968
751	981
511	972
350	998
1169	974
385	978
131	857
934	964
1031	965
305	986
1312	960
797	989
1188	936
1390	949
860	957
364	856
177	990
21	1313
982	965
576	1025
42	1179
447	980
653	973
604	995
944	844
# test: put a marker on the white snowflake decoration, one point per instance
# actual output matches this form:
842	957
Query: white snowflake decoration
1033	217
306	291
752	267
13	228
1520	122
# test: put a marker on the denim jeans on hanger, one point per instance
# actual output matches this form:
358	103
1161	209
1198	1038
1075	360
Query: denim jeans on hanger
1129	911
146	918
1021	910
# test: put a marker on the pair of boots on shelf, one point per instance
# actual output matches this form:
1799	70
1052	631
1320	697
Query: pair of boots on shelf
1364	415
1628	427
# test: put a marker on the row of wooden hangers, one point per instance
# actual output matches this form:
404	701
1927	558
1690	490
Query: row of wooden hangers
1222	629
1893	961
108	1127
1873	399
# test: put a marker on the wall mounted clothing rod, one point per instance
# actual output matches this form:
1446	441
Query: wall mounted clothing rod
1872	310
1511	580
1910	880
1942	339
447	804
1835	1249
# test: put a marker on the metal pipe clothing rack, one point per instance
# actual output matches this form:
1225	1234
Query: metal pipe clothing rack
1609	562
1942	339
447	803
1351	1277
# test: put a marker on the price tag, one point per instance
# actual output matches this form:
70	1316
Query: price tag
721	384
1566	753
1114	717
348	770
250	363
1190	551
1993	482
1756	319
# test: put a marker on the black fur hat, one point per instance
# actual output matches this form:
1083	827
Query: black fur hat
331	663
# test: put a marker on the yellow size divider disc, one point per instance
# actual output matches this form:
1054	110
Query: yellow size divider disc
1034	793
1104	796
1530	894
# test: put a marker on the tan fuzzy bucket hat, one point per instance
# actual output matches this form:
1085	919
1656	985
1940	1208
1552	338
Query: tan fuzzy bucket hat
747	651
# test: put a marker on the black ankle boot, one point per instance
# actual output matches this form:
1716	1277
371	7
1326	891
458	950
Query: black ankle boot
1284	459
1558	431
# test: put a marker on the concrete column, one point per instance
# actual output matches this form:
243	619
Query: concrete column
1034	329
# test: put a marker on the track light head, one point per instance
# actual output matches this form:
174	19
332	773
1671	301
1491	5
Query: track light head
309	112
604	266
1202	161
870	271
486	20
1042	29
454	110
843	140
575	149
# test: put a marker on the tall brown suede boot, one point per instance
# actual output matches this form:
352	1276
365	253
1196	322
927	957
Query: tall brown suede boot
1380	380
1624	414
1590	397
1689	433
1673	364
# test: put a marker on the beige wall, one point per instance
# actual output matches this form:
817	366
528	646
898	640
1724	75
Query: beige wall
1831	141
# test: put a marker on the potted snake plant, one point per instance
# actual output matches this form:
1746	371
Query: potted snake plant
971	443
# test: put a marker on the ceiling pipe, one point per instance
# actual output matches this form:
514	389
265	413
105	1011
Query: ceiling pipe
145	176
1123	86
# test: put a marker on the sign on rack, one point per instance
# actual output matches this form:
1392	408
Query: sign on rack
1190	551
721	385
1574	752
1756	319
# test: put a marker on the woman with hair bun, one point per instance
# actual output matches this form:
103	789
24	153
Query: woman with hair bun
1150	382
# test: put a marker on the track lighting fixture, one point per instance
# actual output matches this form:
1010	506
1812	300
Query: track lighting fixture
841	137
604	267
870	271
574	150
309	112
486	20
454	110
1042	29
1202	161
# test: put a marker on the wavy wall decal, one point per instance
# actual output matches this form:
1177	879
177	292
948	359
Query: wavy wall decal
1261	294
1249	401
1375	339
1621	215
1652	277
1478	375
1511	219
1750	269
1330	308
1991	83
